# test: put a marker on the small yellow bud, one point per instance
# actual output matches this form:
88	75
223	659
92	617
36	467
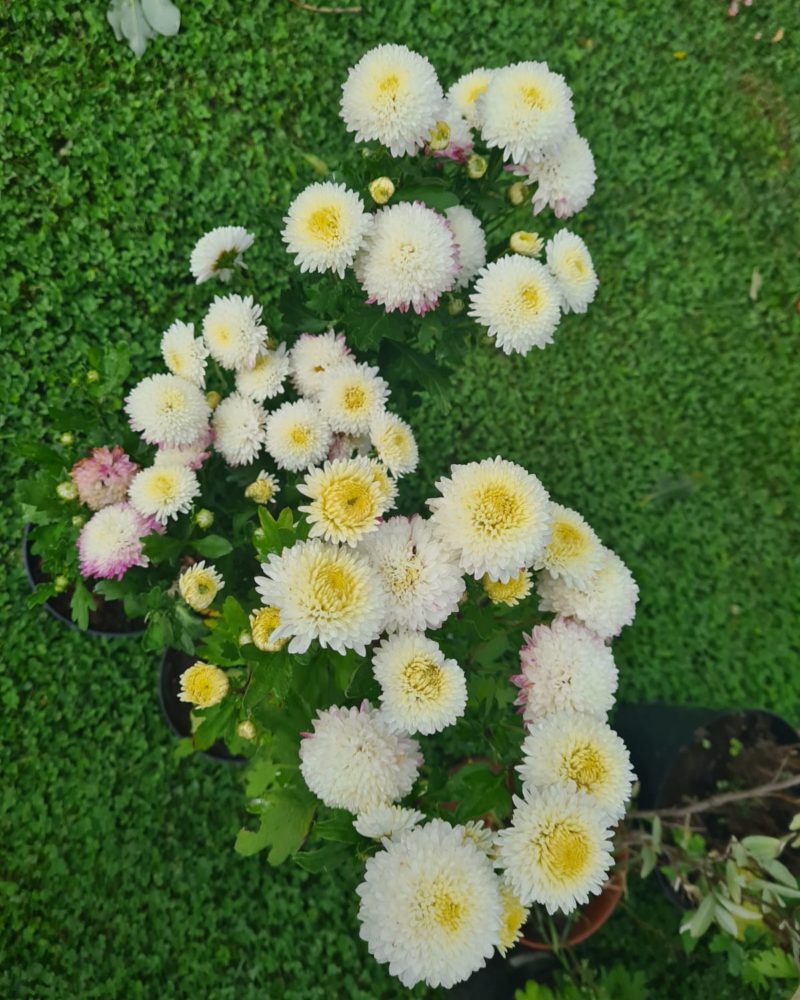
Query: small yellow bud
67	490
67	438
440	136
527	244
518	193
381	190
93	375
246	730
204	519
213	399
263	489
476	166
60	584
455	306
78	521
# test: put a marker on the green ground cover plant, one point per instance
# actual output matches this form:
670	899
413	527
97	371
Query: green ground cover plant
669	413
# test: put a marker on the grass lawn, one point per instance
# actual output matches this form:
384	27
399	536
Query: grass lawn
667	415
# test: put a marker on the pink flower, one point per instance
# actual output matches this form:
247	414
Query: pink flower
104	477
192	454
111	541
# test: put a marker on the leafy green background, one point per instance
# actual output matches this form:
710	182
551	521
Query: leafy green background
667	415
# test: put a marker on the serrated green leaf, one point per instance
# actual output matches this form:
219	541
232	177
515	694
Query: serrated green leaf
212	546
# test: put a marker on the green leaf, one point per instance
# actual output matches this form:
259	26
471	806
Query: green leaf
338	827
214	724
212	546
433	196
285	820
81	604
330	857
42	594
780	873
162	548
762	848
775	964
699	922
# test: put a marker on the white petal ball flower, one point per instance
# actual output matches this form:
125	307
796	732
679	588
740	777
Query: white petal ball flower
265	379
565	180
392	95
527	111
409	258
493	515
518	301
573	550
239	429
421	691
167	410
184	354
565	668
568	747
393	440
466	94
430	906
557	850
313	356
386	821
346	501
192	454
422	579
569	262
164	491
323	592
354	760
216	254
351	396
325	227
298	435
233	332
606	605
471	243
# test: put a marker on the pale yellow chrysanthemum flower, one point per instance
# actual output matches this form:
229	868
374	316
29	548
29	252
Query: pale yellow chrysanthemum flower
466	92
262	624
203	685
381	190
164	491
199	585
351	396
573	551
394	442
510	592
325	227
263	489
387	487
346	501
512	921
571	265
183	353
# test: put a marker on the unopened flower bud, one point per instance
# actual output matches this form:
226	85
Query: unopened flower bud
518	193
60	584
245	638
93	375
67	490
527	244
204	519
213	399
258	535
78	521
476	166
263	489
455	306
440	136
67	438
381	190
246	730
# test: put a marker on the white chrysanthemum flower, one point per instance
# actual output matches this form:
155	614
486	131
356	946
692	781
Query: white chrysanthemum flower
325	227
216	254
199	584
354	760
527	111
511	591
192	454
557	851
430	906
265	379
565	668
394	442
494	515
351	396
471	243
466	93
167	410
569	262
346	502
607	604
409	258
239	429
298	435
421	691
391	95
565	179
518	301
164	491
386	821
423	581
326	593
583	750
184	354
387	487
313	356
480	835
233	332
573	550
514	918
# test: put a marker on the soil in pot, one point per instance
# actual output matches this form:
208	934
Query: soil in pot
108	617
178	713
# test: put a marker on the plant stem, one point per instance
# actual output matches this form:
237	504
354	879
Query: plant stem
760	791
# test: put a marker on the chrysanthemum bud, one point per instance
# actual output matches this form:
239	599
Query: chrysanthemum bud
440	136
476	166
527	244
258	535
78	521
67	490
518	193
67	438
381	190
263	489
93	375
246	730
213	399
455	306
204	519
60	584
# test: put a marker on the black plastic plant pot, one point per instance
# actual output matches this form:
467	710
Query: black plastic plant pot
501	977
107	620
178	713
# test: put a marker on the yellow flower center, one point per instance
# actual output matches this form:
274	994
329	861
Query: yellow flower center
348	502
440	907
530	297
332	588
172	400
496	510
221	334
174	361
475	91
568	542
563	850
422	679
325	224
574	262
584	765
300	436
355	398
533	98
162	487
389	87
